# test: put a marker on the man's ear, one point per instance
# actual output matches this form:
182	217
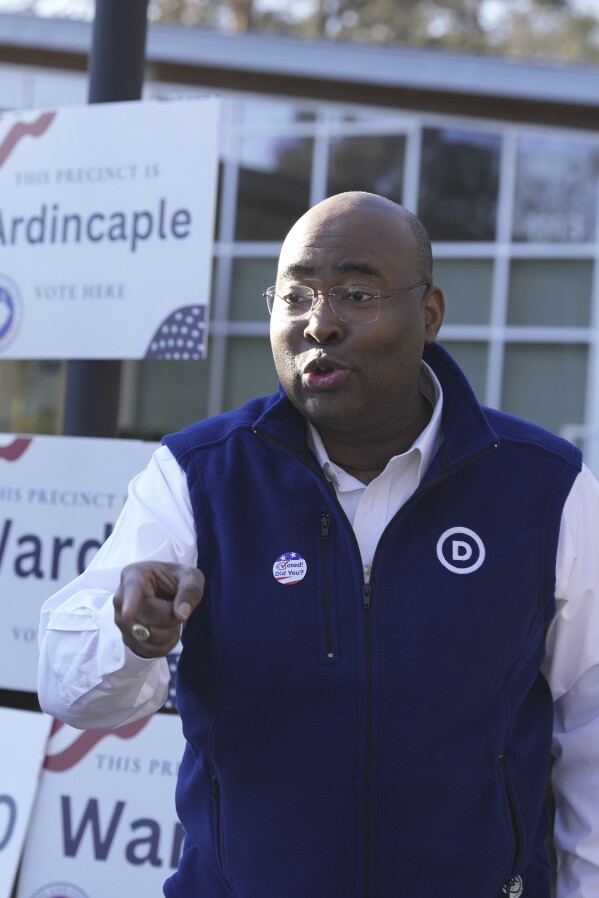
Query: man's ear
434	311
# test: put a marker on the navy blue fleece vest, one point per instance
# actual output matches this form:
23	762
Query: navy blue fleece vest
370	740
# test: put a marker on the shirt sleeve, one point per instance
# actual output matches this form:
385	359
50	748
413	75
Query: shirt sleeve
572	671
87	677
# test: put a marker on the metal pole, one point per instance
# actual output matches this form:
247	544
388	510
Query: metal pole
116	73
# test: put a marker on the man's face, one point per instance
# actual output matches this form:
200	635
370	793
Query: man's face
354	378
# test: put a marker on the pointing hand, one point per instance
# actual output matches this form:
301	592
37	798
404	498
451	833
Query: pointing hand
153	600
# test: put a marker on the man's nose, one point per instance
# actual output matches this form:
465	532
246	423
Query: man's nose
322	325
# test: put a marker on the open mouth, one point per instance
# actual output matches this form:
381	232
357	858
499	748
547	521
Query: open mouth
323	373
320	368
322	365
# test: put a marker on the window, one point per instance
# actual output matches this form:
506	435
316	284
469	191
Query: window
556	191
274	186
372	163
550	292
459	184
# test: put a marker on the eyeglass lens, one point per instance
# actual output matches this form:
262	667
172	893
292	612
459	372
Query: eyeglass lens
351	303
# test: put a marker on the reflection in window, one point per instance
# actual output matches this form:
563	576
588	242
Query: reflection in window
251	277
545	383
556	191
274	186
550	292
371	163
467	286
459	182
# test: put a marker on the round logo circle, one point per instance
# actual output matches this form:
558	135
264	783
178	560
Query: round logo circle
10	310
60	890
289	568
460	550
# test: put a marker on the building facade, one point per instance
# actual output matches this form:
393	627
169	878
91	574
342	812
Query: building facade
500	159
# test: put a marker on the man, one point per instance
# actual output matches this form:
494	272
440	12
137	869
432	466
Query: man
385	726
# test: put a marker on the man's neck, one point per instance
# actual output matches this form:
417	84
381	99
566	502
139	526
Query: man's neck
366	455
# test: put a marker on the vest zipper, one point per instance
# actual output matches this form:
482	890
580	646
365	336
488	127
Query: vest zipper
325	522
216	809
511	799
366	591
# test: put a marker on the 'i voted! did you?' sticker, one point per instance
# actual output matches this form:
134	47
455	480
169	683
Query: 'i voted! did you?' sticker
289	568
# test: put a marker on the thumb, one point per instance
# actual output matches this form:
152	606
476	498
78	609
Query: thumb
190	590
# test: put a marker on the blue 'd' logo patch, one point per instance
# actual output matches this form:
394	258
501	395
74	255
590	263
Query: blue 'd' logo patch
460	550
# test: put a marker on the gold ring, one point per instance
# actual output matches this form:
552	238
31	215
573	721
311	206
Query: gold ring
140	632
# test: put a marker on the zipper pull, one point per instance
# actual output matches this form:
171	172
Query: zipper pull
324	526
366	587
214	787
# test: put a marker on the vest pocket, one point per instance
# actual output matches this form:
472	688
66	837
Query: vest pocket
514	813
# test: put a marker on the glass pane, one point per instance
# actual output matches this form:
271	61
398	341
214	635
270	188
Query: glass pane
472	359
37	400
556	191
250	370
370	163
8	392
459	182
467	285
251	277
274	186
171	394
545	383
550	292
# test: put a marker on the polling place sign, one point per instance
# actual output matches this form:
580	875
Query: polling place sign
106	230
104	822
59	500
22	753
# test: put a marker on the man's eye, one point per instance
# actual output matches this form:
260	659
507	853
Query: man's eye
358	296
294	299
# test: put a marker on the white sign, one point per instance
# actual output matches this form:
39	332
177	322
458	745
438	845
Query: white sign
22	752
104	823
106	229
59	500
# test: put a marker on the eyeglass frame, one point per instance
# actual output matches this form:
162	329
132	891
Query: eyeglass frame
271	292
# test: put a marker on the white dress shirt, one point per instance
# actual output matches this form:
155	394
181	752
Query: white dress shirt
89	679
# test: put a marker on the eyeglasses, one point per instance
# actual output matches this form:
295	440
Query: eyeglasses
351	303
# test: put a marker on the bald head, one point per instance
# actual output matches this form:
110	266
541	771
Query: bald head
375	211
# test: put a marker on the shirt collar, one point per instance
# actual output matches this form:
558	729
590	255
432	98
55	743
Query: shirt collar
425	446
